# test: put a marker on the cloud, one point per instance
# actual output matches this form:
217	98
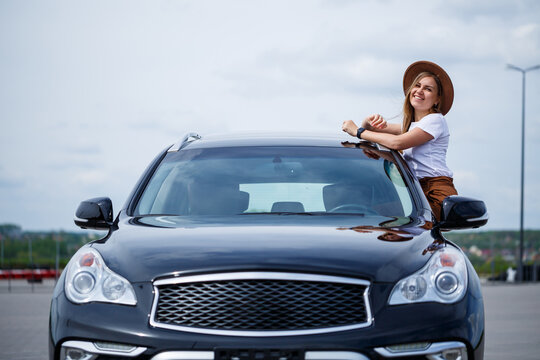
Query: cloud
89	177
10	183
527	30
11	179
82	149
84	111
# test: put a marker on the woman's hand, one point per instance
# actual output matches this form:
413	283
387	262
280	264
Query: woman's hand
376	121
349	127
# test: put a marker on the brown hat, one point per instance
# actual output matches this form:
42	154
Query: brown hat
447	88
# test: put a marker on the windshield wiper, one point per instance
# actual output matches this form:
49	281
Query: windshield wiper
281	213
319	213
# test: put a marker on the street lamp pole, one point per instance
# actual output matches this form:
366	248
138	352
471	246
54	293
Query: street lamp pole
57	262
523	72
2	241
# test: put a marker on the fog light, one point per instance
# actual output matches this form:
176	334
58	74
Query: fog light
451	354
77	354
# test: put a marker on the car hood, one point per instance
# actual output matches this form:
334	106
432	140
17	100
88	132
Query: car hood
145	249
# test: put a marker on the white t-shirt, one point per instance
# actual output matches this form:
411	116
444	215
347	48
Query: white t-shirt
429	159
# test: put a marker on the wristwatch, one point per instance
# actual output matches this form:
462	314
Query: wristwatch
359	132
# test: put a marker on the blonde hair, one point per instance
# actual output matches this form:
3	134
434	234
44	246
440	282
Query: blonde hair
408	110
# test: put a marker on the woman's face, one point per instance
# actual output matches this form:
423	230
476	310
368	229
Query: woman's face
424	94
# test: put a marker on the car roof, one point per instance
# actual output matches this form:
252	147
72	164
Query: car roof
195	141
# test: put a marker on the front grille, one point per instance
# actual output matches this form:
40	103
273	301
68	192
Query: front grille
261	302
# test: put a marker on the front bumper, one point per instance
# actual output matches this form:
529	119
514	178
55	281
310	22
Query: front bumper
81	350
397	332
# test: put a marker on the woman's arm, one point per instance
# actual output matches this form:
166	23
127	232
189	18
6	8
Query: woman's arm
407	140
404	141
377	123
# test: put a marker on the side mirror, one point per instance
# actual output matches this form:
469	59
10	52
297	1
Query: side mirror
459	212
95	214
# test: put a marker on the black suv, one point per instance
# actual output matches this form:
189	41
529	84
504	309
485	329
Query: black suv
271	247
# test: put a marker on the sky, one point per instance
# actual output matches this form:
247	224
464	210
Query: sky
91	91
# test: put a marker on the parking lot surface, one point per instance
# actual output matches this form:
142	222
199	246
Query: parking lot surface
512	320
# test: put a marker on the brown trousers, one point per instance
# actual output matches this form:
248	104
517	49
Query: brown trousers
436	189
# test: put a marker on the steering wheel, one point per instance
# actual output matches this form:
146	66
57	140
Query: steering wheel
353	208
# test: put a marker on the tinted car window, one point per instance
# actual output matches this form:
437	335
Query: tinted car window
250	180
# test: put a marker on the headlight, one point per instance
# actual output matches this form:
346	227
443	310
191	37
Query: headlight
89	279
443	279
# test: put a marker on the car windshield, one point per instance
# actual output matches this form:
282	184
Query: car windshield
276	180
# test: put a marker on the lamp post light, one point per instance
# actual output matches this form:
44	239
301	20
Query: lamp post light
523	72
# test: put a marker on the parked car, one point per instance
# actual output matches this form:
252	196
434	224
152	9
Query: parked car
271	247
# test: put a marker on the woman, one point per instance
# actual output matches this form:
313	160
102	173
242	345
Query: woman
424	134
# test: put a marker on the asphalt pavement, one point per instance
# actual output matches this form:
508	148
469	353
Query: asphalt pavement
512	320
